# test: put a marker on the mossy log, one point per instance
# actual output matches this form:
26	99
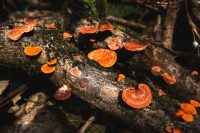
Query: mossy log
92	83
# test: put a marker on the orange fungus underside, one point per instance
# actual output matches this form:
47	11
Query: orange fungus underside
105	57
134	45
139	98
47	69
52	62
32	50
169	78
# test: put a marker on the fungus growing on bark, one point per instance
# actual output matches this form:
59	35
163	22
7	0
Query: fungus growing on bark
139	98
169	78
161	93
47	69
88	30
50	26
156	70
168	129
15	34
121	77
106	27
179	113
75	71
92	40
66	35
52	62
134	45
177	130
188	108
187	117
194	73
62	93
104	57
194	103
32	50
114	43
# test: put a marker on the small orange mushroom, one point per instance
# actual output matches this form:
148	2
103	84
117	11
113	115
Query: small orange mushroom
66	35
52	62
92	40
104	57
134	45
121	77
179	113
194	103
177	130
194	73
188	108
88	30
62	93
169	78
50	26
47	69
32	50
106	27
161	93
156	70
187	117
114	43
139	98
168	129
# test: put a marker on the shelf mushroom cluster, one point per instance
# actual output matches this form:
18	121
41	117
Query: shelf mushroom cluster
187	110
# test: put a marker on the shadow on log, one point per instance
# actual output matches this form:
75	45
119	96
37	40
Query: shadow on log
96	85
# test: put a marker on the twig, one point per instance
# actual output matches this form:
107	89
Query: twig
8	98
87	124
169	27
126	22
157	29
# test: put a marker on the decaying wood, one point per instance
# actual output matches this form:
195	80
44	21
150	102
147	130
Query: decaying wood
87	124
97	85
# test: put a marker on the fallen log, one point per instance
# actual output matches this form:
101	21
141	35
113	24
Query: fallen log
95	85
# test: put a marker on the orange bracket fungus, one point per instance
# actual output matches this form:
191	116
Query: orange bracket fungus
121	77
106	27
194	73
187	117
62	93
75	71
114	43
50	26
104	57
32	50
139	98
161	93
134	45
88	30
66	35
15	34
188	108
52	62
156	70
194	103
168	78
47	69
168	129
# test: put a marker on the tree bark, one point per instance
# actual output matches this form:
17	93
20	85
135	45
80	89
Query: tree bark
96	85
